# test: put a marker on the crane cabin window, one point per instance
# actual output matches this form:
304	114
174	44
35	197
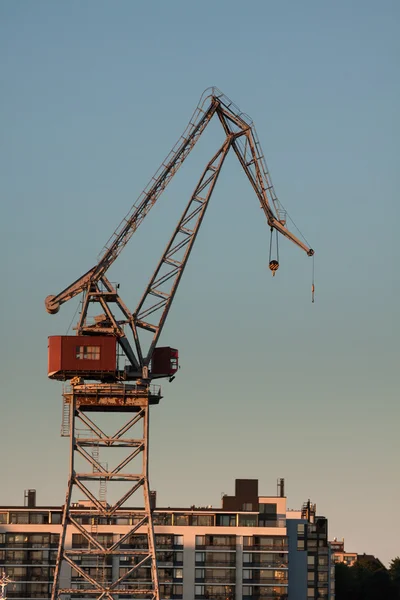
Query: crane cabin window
88	352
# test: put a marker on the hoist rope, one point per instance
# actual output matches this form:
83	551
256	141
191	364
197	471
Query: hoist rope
277	245
270	245
312	282
73	318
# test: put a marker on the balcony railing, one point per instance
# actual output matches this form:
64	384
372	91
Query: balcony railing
265	581
217	563
266	547
222	579
266	565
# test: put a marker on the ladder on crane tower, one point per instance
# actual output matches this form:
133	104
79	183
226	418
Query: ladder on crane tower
101	570
65	419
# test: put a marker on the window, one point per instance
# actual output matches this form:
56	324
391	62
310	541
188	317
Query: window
310	593
38	518
3	518
215	591
267	509
216	540
247	520
17	572
247	574
37	556
199	574
300	529
163	540
78	541
178	573
56	518
203	520
265	542
220	559
162	519
247	557
200	540
168	591
19	518
247	590
181	519
88	352
300	544
200	557
199	590
266	559
247	506
226	520
221	540
310	560
178	540
166	557
311	576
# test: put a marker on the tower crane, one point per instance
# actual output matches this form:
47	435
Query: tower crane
97	382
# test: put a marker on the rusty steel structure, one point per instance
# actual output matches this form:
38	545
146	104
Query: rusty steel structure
129	391
4	581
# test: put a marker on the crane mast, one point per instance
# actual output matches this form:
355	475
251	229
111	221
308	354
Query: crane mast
98	384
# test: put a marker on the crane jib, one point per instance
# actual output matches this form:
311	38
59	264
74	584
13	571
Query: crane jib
156	300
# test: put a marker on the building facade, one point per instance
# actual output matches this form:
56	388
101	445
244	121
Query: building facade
340	555
250	548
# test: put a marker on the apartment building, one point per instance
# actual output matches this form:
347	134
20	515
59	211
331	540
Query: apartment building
251	547
340	555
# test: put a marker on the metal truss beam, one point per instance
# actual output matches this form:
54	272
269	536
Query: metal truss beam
88	469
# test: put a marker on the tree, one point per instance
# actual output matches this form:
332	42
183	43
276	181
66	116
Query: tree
345	584
394	570
367	579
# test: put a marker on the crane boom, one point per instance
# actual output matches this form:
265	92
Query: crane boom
250	155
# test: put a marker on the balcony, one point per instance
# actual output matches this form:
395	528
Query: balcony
268	564
215	542
265	580
221	579
257	596
231	563
265	548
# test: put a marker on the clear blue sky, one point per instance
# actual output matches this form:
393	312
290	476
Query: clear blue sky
93	96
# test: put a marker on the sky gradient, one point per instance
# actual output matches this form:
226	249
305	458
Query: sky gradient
94	95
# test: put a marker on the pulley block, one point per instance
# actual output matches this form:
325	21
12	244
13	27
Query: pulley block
274	266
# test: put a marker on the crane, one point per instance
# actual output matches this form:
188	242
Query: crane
98	383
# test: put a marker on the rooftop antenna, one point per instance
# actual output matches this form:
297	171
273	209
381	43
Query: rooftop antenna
4	581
